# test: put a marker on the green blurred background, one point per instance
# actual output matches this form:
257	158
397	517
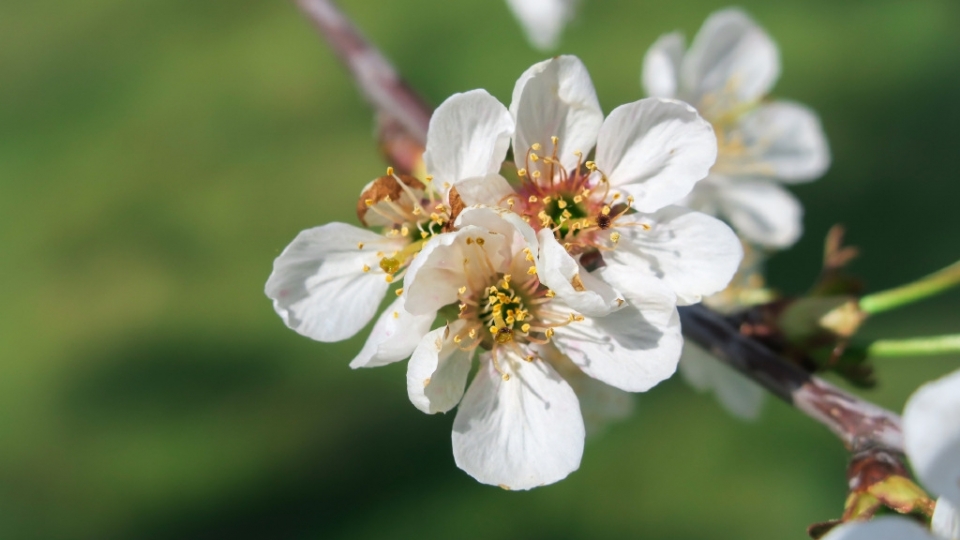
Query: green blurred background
156	155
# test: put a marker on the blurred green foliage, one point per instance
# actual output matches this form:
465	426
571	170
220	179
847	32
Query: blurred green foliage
155	156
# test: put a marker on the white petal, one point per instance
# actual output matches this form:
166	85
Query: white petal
693	253
782	140
731	62
573	284
946	520
519	233
740	396
556	98
318	285
881	528
655	150
931	431
661	66
394	336
469	135
762	211
634	348
543	20
520	433
439	270
490	190
437	371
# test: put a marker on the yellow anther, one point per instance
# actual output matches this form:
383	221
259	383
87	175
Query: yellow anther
417	211
462	290
505	377
387	198
510	319
550	294
549	333
507	278
562	204
469	240
590	165
630	199
446	185
396	314
493	329
366	268
615	237
578	153
435	217
388	278
546	200
368	202
511	202
479	241
535	146
525	328
605	211
424	234
577	199
578	318
616	196
532	270
554	140
359	245
428	178
389	265
533	199
645	226
457	339
404	231
472	333
521	172
529	358
389	171
535	175
534	158
400	291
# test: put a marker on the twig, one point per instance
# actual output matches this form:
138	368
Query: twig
859	424
402	116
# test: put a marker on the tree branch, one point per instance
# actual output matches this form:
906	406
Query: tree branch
862	426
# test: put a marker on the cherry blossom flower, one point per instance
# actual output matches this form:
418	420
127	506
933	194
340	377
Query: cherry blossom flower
932	441
617	209
726	74
543	20
519	424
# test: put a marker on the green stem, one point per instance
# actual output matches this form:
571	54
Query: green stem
915	346
918	290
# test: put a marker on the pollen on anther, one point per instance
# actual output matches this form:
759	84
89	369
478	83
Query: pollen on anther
366	268
389	171
388	278
400	291
554	140
550	294
533	199
615	237
532	270
525	328
561	204
396	314
368	202
535	175
521	172
506	377
359	245
535	146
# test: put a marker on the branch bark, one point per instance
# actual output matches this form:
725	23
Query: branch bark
863	427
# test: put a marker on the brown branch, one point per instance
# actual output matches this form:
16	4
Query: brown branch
871	433
402	116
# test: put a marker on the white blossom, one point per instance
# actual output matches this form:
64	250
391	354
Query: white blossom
726	74
519	424
543	20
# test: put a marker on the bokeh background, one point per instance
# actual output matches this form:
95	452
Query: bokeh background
156	155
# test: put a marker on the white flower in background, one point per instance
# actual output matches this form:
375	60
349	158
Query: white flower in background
543	20
726	74
519	424
931	430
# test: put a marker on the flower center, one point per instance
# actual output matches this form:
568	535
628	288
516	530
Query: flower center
576	204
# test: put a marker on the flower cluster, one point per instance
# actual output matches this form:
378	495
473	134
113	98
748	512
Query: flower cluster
571	268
